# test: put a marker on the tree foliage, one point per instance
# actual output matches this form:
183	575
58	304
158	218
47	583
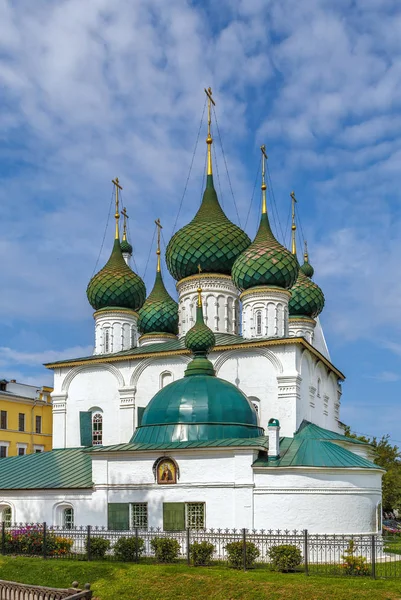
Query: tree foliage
388	457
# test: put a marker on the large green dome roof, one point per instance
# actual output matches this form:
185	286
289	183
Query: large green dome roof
209	240
265	262
116	285
159	314
307	299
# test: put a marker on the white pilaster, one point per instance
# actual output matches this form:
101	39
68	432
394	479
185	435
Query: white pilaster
59	402
302	327
219	298
127	413
264	312
115	330
273	429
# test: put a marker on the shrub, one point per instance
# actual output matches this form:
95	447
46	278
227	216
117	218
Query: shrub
201	553
354	565
129	548
236	556
285	557
29	540
165	549
98	547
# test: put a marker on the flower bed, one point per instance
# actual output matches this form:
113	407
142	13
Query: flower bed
30	540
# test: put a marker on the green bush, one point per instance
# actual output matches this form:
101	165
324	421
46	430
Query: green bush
165	549
285	558
98	547
201	553
236	556
30	540
354	565
129	548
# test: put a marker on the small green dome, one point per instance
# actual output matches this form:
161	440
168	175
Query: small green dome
307	269
159	314
209	240
116	285
199	407
126	247
307	299
265	262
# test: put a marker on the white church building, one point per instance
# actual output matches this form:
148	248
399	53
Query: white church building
218	410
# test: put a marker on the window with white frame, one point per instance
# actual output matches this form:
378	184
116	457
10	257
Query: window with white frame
107	340
97	429
259	322
38	448
21	449
139	515
318	390
6	515
165	379
68	517
195	515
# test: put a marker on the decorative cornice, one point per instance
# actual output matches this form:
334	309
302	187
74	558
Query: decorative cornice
307	320
203	276
265	291
114	311
257	343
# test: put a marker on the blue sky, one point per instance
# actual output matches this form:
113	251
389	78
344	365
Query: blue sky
97	89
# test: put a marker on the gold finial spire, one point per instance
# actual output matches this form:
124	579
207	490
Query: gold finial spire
159	228
117	214
125	214
293	226
306	255
199	290
209	139
264	158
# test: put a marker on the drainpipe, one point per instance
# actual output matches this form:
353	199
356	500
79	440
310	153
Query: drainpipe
273	429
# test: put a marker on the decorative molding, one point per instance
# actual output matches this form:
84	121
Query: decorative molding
219	362
115	311
147	363
268	293
91	367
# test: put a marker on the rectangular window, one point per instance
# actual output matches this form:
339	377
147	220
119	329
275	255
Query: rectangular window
195	515
38	424
3	419
21	422
139	515
3	451
38	448
21	451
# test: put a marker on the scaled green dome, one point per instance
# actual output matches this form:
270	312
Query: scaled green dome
159	314
265	262
116	285
209	240
126	247
307	299
307	269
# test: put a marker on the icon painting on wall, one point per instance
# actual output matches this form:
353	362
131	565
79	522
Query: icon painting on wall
166	472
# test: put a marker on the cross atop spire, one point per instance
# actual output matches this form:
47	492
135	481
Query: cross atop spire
159	228
264	158
209	139
293	226
125	215
117	214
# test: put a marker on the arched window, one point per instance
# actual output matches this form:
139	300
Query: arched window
318	390
97	429
165	379
259	322
133	338
68	517
107	340
6	515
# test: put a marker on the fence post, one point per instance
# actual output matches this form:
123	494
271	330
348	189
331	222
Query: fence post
136	545
3	537
44	540
88	543
373	550
306	551
188	544
244	549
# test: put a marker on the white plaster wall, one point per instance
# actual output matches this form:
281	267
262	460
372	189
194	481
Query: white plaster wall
326	502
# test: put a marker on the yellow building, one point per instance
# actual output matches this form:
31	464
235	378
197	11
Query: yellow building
25	418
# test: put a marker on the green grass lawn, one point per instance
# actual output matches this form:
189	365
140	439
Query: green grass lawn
110	581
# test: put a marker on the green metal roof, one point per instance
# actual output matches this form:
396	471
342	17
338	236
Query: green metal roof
259	442
310	430
62	468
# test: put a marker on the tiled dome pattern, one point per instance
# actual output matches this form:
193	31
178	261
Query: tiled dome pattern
307	299
126	247
307	269
200	339
265	262
159	314
116	285
209	240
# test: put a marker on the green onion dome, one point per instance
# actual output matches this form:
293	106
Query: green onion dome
159	314
209	240
307	299
116	285
126	247
265	262
199	407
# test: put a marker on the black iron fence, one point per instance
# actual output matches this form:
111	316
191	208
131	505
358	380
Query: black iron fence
375	555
